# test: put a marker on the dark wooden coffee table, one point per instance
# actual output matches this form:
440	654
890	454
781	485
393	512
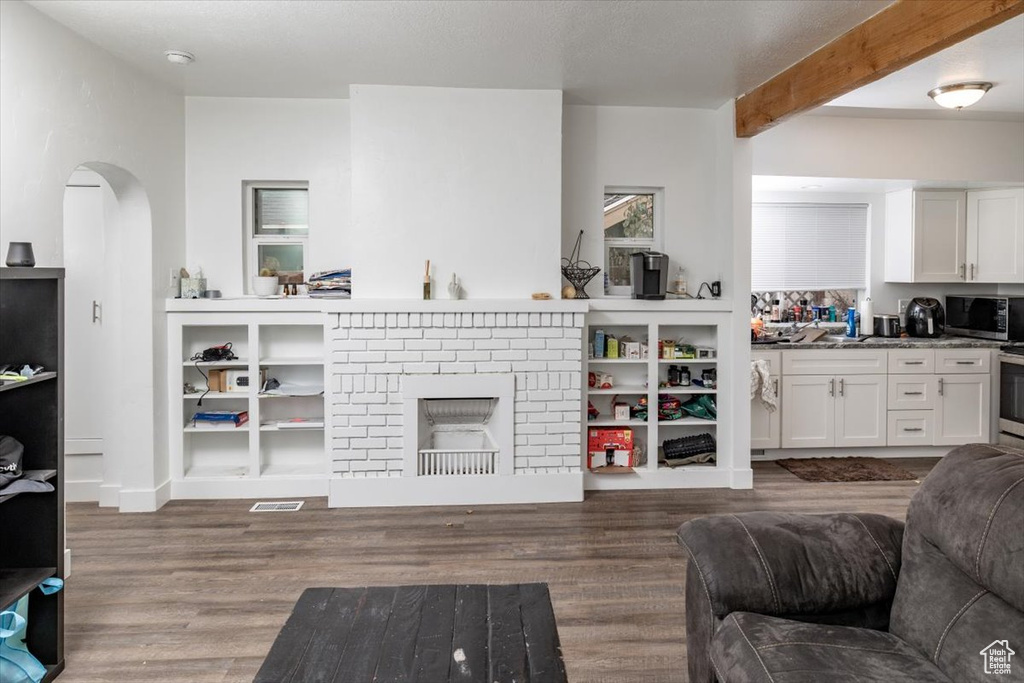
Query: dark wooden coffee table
428	634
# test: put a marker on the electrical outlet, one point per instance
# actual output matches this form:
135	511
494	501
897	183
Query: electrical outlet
901	305
716	288
175	280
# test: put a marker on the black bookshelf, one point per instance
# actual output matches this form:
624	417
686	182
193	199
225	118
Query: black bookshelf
32	524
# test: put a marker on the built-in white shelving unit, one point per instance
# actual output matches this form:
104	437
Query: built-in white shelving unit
258	458
635	378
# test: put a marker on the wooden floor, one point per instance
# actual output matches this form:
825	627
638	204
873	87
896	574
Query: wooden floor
198	591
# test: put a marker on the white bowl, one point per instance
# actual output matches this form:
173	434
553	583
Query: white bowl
264	286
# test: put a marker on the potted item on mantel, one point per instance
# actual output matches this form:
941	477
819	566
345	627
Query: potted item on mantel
265	284
19	255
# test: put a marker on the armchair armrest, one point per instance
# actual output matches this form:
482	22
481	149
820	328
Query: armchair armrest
835	568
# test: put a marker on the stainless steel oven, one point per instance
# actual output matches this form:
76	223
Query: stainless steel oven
1011	398
989	317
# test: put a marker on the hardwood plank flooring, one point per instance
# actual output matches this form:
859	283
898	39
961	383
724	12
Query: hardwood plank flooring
198	591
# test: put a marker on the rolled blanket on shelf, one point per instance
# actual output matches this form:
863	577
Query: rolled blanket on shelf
761	385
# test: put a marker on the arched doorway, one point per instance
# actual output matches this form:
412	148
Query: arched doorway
109	331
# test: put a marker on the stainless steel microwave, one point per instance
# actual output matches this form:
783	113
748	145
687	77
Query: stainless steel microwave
989	317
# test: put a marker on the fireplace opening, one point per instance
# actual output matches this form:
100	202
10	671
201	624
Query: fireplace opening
456	436
458	425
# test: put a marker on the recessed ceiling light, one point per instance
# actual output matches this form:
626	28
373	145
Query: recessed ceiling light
810	187
179	57
959	95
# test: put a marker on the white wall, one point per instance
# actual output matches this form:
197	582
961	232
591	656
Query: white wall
232	140
64	102
932	149
674	149
468	178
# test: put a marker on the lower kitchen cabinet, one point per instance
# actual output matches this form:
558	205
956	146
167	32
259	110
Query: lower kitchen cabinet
765	426
824	411
963	409
860	410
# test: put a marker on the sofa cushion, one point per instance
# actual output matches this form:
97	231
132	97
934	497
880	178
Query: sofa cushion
752	647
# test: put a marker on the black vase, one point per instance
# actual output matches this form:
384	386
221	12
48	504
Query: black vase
19	255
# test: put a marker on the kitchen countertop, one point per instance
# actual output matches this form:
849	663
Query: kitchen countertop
946	341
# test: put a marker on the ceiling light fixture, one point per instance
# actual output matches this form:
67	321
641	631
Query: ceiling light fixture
179	57
959	95
810	187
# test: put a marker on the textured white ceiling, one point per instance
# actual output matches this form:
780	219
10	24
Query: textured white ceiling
997	55
688	54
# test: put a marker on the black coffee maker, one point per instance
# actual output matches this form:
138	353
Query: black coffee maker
649	274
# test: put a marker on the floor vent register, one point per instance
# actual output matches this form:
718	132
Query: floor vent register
283	506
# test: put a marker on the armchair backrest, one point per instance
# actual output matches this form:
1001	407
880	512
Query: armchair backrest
960	593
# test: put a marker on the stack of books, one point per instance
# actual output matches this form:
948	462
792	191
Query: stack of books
220	419
331	284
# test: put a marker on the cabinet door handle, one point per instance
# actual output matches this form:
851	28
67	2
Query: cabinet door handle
840	387
940	386
913	362
775	384
965	362
832	387
962	268
972	271
913	393
97	312
913	429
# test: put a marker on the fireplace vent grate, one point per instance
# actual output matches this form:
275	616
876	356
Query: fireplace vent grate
446	462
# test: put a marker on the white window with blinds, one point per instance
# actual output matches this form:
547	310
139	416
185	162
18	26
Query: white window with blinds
276	230
808	247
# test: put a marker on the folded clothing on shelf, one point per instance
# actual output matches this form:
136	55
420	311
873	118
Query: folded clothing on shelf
331	284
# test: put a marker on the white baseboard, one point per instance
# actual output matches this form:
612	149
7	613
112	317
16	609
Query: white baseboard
110	495
462	490
877	452
87	491
271	487
742	479
145	500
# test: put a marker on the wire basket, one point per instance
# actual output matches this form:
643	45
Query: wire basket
577	272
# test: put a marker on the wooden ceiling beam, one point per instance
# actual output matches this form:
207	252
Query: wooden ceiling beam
899	35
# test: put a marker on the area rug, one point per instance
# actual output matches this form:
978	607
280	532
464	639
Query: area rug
846	469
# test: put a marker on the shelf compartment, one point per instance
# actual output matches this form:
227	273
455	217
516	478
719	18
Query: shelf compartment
216	453
196	338
282	360
15	582
47	476
686	422
292	452
244	395
686	390
41	377
239	363
291	344
624	390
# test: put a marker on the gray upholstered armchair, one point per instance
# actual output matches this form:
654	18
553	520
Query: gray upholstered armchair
787	597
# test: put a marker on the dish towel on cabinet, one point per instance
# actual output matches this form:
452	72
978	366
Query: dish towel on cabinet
761	385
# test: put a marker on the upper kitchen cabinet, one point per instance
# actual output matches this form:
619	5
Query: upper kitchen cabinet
995	235
926	236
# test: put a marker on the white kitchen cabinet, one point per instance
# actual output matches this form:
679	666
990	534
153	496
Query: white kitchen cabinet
860	410
809	418
765	426
926	236
995	236
824	411
963	409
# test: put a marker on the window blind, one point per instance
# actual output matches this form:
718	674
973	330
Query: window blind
808	246
282	211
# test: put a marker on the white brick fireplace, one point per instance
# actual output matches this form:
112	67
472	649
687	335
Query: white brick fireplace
526	355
